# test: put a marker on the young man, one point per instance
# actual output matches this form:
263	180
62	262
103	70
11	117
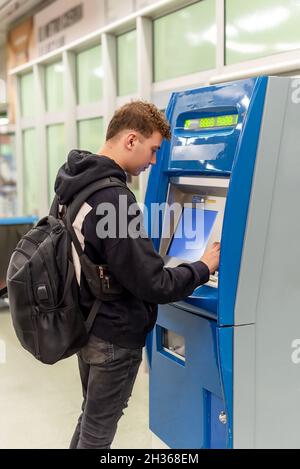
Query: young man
109	363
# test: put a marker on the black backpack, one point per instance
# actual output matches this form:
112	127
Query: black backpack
42	287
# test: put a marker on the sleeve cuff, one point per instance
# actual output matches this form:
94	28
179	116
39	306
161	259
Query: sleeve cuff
202	271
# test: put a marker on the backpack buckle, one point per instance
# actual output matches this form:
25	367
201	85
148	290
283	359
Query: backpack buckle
42	293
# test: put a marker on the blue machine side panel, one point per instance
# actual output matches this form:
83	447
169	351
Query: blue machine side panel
186	397
237	204
225	357
217	430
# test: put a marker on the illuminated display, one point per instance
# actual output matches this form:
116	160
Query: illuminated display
193	217
206	122
228	120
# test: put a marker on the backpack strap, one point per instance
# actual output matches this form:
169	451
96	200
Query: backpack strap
103	287
79	200
83	195
54	209
92	315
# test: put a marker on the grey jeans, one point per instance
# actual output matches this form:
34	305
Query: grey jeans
107	375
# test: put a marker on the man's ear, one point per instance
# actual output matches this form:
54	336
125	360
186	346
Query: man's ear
130	140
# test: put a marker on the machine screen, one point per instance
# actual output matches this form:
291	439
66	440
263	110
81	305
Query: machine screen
192	233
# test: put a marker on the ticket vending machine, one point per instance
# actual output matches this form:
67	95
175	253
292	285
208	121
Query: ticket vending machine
225	362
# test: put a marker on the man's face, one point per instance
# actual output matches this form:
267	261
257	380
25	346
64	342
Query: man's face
142	151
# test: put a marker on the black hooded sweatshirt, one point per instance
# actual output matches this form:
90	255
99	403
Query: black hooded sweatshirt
134	262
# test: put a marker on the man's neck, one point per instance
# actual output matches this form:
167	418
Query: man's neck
110	152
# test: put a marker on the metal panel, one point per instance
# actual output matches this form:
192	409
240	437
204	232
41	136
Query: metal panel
266	373
237	204
244	387
208	182
261	201
278	319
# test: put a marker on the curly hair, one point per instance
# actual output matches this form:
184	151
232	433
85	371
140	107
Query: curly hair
142	116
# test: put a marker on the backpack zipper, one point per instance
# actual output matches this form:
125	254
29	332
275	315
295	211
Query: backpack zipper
34	317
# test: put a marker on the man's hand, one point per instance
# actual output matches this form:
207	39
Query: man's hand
211	257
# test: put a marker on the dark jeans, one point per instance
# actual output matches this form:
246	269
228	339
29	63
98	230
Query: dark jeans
107	374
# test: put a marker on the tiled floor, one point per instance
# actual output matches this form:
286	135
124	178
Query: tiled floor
40	404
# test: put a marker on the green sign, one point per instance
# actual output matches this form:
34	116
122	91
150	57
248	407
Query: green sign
228	120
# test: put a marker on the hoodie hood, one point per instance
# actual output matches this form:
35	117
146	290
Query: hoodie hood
83	168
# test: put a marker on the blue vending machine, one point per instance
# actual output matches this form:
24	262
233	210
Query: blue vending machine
217	380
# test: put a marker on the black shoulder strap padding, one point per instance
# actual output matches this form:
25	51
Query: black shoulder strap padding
79	200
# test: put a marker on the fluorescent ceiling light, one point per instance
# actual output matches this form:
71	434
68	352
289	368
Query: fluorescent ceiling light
195	39
245	48
285	46
4	121
231	31
210	35
59	68
245	101
98	72
3	96
262	20
186	15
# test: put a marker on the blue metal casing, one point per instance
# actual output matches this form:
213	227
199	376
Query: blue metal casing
186	397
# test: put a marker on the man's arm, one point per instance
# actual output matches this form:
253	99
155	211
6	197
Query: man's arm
138	267
135	263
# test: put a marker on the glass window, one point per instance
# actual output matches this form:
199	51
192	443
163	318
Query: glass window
90	134
185	41
31	175
127	63
257	29
54	81
27	95
89	75
56	154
